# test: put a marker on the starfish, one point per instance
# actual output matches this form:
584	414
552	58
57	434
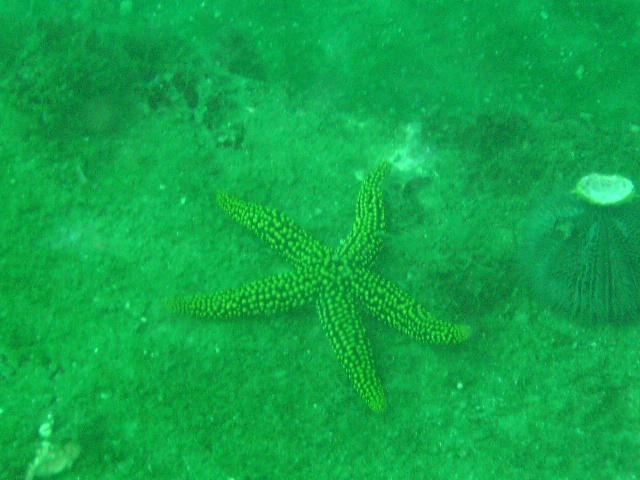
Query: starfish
338	281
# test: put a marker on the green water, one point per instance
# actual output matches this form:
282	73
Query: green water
120	122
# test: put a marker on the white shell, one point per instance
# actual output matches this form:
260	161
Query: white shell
605	189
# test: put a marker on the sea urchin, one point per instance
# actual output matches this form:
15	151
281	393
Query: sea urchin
581	252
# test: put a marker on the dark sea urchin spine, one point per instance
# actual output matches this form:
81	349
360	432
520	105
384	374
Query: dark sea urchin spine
581	254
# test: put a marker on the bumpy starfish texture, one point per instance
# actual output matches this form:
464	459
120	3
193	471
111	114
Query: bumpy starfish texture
339	282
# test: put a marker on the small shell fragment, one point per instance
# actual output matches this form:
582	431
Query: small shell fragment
52	459
599	189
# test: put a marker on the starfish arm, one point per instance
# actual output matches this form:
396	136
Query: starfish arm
385	300
275	294
346	332
365	240
276	229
